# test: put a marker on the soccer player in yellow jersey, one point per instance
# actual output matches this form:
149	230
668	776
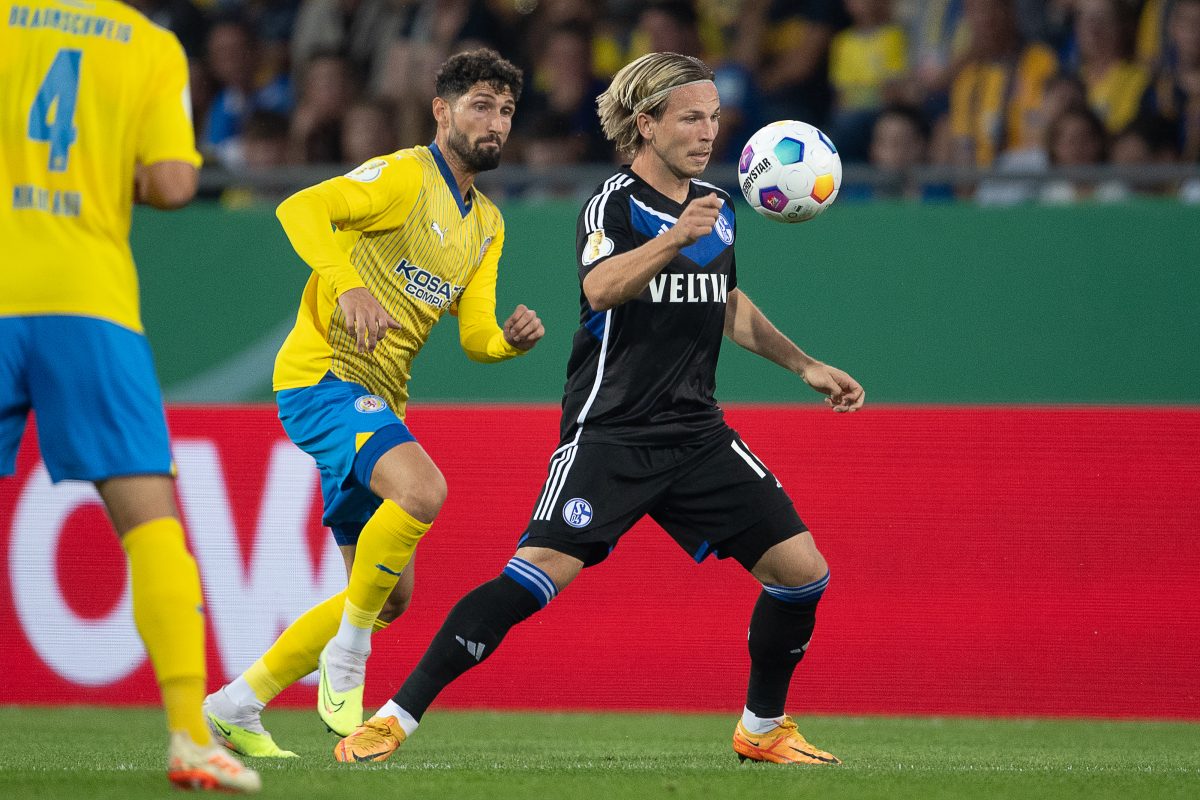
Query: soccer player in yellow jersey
94	115
393	246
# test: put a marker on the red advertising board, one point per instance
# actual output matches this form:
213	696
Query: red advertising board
1028	561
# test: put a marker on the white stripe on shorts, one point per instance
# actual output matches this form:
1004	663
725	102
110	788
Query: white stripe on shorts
748	459
560	463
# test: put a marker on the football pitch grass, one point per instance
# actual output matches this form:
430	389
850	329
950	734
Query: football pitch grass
118	753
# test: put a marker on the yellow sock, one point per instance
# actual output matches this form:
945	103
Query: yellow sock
385	547
295	652
168	609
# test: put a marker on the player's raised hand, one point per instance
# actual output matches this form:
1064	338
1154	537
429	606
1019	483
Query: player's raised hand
523	329
698	219
366	320
843	393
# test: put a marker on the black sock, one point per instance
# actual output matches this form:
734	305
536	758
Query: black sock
779	634
473	629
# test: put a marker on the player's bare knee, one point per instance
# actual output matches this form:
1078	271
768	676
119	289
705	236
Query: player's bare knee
793	562
423	499
561	567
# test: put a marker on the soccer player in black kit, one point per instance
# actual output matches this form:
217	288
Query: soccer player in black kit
641	432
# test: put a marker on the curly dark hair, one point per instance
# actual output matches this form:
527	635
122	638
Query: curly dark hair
462	71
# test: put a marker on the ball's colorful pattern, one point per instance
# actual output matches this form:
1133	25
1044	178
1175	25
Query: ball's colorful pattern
789	171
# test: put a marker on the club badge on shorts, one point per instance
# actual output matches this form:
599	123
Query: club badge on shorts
577	512
370	403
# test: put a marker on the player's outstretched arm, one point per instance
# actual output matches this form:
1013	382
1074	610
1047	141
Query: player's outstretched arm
749	328
624	276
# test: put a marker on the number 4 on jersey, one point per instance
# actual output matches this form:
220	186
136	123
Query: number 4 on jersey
57	93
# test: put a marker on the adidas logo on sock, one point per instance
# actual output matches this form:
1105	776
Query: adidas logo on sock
474	648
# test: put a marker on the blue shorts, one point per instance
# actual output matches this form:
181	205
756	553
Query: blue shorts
92	387
345	429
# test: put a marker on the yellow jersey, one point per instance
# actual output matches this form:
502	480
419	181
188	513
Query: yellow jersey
90	89
403	232
863	62
1001	105
1116	95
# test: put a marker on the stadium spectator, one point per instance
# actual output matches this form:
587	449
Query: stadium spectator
273	23
551	143
788	42
1077	138
563	87
1152	39
358	30
392	246
265	141
899	144
368	130
970	66
1148	140
233	61
1064	92
997	99
1175	91
937	38
72	345
266	146
671	26
327	89
1104	31
641	434
866	63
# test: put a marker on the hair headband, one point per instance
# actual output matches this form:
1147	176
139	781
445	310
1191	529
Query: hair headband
646	102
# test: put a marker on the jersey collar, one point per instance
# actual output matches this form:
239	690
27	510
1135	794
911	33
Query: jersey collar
463	207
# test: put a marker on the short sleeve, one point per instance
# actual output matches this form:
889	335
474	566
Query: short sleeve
604	230
166	132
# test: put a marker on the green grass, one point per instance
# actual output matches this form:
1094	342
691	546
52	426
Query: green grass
118	753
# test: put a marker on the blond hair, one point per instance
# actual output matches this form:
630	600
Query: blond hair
644	86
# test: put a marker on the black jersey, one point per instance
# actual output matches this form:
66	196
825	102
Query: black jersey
644	371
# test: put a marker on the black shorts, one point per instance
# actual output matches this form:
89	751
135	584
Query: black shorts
713	498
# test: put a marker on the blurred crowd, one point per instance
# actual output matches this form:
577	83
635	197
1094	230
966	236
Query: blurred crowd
1017	85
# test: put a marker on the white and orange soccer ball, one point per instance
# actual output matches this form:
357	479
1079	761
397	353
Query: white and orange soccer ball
789	171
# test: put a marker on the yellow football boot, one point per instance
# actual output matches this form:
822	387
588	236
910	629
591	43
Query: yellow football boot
340	690
243	740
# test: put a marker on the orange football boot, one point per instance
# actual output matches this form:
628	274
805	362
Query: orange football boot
374	740
781	745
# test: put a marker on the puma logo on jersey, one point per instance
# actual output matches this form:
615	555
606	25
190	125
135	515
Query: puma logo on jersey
691	288
433	226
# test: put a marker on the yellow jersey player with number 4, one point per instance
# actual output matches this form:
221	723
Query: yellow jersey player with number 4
95	115
394	245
